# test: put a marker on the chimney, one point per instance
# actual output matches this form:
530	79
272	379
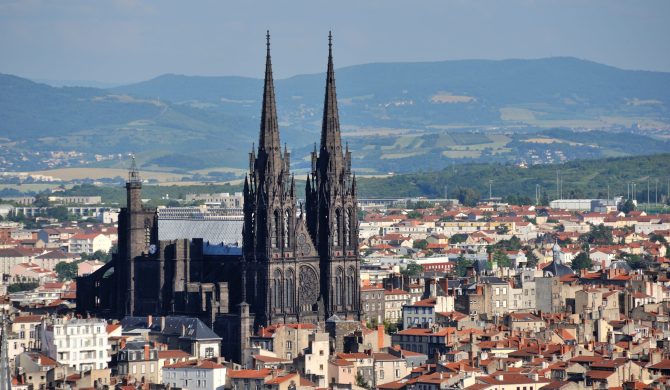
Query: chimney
380	336
162	323
122	343
146	352
150	321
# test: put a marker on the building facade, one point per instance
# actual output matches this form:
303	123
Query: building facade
294	265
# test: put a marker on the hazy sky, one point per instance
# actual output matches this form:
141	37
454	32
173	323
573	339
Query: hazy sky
126	40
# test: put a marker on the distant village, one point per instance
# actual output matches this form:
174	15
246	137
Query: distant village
575	295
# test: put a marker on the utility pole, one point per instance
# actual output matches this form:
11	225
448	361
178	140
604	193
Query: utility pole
648	199
5	374
490	184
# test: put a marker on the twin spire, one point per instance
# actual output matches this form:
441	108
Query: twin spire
330	128
269	131
268	141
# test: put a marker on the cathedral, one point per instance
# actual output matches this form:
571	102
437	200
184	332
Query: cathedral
298	262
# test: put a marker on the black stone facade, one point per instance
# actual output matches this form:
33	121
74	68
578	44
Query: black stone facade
299	263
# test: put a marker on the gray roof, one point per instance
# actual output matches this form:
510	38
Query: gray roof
192	327
621	264
228	231
558	269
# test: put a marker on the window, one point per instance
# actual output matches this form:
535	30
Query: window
209	352
381	374
289	344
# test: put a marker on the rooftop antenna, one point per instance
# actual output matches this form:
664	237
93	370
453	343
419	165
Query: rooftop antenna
133	173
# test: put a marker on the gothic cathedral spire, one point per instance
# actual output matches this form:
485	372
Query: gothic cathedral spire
332	213
331	143
269	147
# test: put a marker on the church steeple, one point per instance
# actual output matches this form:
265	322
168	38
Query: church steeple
331	142
268	142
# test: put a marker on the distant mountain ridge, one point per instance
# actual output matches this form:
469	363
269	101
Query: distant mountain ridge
215	119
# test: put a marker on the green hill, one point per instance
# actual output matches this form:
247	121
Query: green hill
397	117
582	178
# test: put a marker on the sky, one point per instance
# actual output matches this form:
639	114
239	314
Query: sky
123	41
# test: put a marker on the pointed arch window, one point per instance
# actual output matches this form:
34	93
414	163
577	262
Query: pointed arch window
339	286
277	229
290	289
287	228
351	287
276	290
337	227
347	228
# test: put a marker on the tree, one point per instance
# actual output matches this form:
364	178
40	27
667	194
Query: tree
502	229
581	261
637	261
412	269
532	260
41	200
103	256
599	235
501	259
462	265
360	380
390	327
468	196
627	206
458	238
414	214
66	271
420	244
513	244
60	213
25	286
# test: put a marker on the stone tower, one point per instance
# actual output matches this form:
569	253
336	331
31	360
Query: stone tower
138	230
280	266
332	210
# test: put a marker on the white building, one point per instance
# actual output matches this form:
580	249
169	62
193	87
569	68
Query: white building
422	313
78	343
195	375
90	243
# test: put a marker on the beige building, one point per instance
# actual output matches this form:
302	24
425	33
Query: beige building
393	303
388	368
341	372
598	303
315	360
24	327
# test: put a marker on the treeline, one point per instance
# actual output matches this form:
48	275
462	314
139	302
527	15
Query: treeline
579	178
469	182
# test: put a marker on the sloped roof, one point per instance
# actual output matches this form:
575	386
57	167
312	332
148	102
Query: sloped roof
193	328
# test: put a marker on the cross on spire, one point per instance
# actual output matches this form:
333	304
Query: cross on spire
330	129
269	130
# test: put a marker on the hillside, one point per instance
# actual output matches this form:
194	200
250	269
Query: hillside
583	178
397	117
